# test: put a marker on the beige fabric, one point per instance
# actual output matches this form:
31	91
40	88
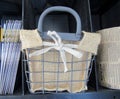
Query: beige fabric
90	42
108	58
37	66
48	77
30	38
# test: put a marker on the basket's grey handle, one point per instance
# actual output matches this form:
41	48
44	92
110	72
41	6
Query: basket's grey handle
61	9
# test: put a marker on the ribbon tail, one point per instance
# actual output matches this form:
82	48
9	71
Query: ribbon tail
63	57
42	51
48	44
71	45
73	52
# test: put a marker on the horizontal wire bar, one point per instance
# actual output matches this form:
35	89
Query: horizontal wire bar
74	81
55	62
28	72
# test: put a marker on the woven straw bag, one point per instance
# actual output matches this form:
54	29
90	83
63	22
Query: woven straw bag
109	58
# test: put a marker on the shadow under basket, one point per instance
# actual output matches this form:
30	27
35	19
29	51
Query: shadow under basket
45	73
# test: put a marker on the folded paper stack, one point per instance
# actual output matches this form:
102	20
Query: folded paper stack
9	55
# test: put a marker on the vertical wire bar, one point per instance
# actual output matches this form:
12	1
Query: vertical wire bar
58	72
23	92
71	74
27	75
91	65
27	69
22	73
86	72
43	91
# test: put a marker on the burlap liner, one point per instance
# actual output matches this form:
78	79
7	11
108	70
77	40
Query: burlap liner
108	58
90	42
85	47
48	77
30	38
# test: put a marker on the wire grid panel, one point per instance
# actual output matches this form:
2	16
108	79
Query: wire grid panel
45	73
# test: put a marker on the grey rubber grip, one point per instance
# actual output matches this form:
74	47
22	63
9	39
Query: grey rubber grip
60	9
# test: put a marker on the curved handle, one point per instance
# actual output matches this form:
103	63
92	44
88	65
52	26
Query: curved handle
60	9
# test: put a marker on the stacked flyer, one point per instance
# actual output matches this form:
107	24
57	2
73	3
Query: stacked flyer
9	54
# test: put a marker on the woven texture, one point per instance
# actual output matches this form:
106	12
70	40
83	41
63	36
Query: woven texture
90	42
30	38
64	79
109	58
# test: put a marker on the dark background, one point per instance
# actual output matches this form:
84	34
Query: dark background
104	14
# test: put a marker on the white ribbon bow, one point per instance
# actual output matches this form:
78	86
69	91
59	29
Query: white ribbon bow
58	45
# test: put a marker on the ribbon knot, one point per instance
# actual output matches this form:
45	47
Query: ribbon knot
58	45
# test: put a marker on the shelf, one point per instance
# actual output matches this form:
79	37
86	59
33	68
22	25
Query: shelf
103	94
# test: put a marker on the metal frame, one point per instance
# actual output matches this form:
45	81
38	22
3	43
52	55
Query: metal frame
87	72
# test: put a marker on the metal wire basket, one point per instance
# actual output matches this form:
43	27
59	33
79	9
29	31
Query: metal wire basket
56	73
45	73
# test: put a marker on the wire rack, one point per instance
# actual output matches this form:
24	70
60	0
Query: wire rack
42	73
